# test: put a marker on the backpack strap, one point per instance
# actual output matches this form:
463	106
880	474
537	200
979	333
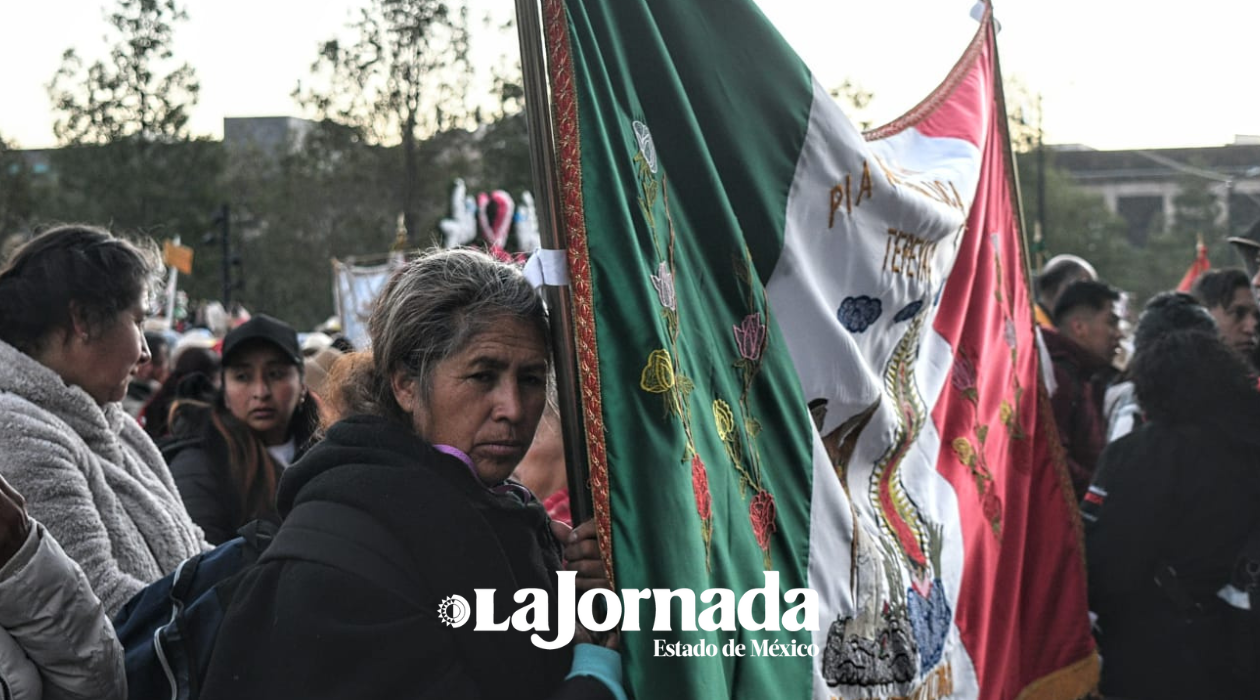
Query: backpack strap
319	532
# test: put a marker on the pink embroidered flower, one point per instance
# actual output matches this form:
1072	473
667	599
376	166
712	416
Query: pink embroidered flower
663	280
700	485
749	335
761	514
1009	333
964	375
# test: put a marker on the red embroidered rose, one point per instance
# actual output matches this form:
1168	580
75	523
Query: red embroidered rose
992	506
700	485
761	514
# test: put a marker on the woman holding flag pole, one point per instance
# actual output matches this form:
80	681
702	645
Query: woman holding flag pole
413	506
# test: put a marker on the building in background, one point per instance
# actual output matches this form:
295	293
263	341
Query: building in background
1142	185
270	135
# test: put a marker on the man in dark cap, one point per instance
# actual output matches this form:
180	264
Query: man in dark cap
1248	248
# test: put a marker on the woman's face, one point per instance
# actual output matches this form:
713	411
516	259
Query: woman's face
262	388
484	400
109	357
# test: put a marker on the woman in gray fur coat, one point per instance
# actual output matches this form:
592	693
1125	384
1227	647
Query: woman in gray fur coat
72	302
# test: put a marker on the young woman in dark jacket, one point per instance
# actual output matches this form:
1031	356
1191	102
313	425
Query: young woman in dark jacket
230	452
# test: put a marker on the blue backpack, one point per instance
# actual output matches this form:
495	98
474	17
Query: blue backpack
168	629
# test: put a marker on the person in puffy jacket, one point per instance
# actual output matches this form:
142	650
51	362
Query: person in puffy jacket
55	641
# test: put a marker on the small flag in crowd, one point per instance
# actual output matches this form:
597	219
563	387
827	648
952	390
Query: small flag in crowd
1200	265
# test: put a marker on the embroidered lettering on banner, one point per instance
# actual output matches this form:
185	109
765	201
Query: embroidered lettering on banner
843	196
909	255
942	191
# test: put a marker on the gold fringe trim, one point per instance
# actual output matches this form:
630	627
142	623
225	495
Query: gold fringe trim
1076	681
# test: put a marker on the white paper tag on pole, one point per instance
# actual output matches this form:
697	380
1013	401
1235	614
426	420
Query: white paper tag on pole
549	267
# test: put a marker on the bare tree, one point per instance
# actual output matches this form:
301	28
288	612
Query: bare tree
404	78
128	95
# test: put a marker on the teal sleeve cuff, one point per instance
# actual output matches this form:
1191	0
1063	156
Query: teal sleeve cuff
604	665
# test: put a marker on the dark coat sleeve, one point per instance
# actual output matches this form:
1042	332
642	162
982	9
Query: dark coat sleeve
1126	512
202	487
304	630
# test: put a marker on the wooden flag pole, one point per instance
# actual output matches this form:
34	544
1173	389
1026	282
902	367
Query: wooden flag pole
542	156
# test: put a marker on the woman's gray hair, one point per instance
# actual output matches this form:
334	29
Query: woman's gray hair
435	306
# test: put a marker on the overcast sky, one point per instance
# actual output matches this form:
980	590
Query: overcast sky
1112	74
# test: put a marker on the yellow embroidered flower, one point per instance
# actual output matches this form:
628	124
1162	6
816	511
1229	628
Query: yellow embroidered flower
966	453
724	419
1005	412
658	375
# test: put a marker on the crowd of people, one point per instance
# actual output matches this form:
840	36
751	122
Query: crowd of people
1163	454
431	465
124	453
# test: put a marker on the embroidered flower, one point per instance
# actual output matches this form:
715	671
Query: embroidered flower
964	375
724	419
749	336
700	485
1005	412
1009	333
644	138
658	374
966	453
663	280
761	515
991	505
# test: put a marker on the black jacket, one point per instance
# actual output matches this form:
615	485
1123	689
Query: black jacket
199	461
212	500
1172	507
299	629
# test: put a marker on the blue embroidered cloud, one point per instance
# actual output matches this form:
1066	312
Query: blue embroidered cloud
858	313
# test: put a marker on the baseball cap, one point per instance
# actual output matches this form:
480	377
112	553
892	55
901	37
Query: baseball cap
263	328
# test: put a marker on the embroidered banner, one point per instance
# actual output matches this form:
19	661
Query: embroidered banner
810	352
